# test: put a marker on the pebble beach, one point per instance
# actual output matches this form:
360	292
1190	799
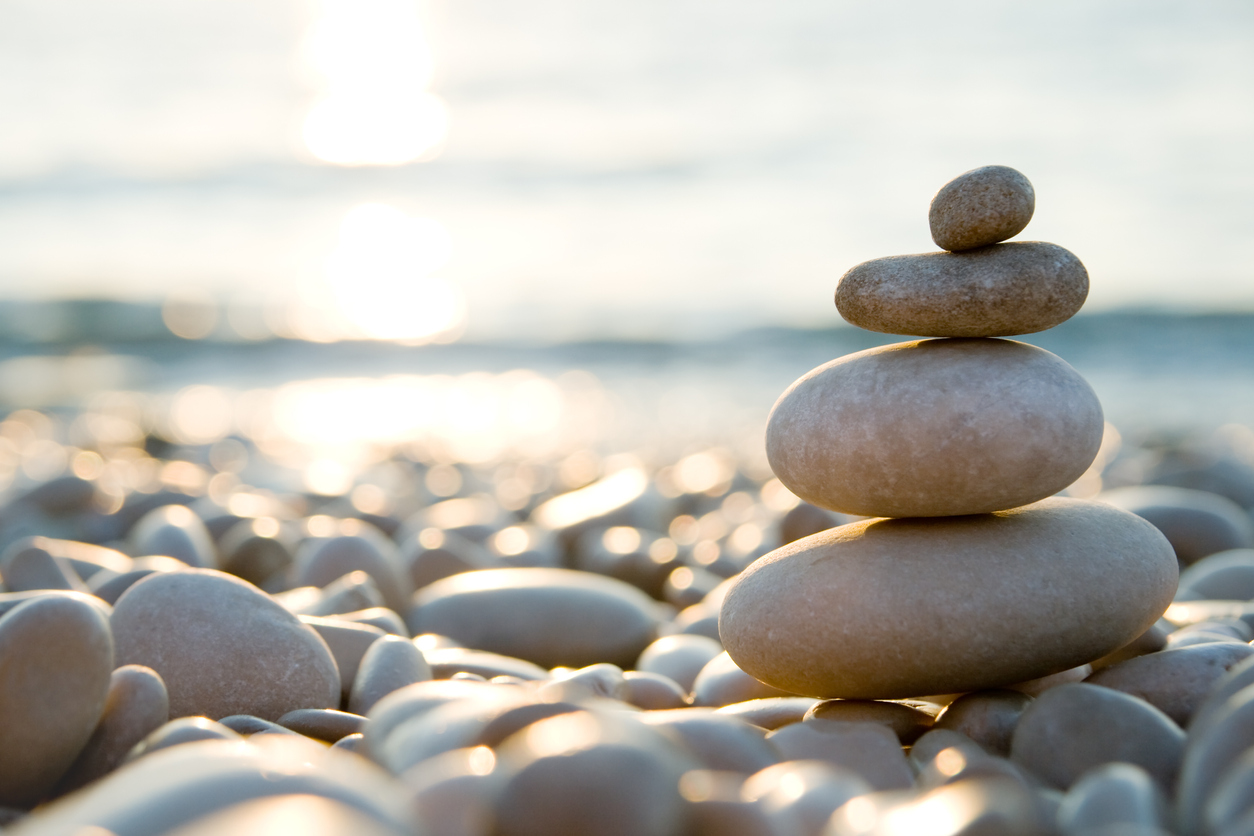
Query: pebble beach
942	594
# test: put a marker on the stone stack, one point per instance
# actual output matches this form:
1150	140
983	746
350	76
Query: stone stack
971	574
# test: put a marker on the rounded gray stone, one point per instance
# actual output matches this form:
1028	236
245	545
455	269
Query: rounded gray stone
981	207
934	428
223	647
1000	291
887	609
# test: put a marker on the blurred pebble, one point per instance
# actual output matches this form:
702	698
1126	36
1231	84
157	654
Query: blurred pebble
771	712
715	807
721	682
56	655
1110	795
175	531
547	616
308	815
389	664
321	561
987	717
1216	741
868	749
1232	799
935	741
806	791
1174	681
453	794
905	721
222	647
448	661
354	591
348	643
653	692
323	723
1152	640
385	619
27	565
1196	523
1225	575
679	657
179	731
1075	727
136	705
719	742
247	724
255	549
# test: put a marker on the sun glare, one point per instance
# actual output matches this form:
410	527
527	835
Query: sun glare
380	276
375	65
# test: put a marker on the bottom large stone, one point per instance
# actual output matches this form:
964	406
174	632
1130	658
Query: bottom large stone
891	608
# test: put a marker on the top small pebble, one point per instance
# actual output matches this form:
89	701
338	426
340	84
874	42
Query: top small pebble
981	207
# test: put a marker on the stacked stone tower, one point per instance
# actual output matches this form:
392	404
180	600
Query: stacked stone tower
972	574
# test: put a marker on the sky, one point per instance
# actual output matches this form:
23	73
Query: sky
567	168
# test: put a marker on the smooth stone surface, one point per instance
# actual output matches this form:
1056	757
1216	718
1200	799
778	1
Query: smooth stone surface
1151	641
718	741
223	647
1197	523
389	664
936	741
248	725
981	207
323	723
56	657
27	566
722	682
653	692
448	662
883	609
987	717
807	792
1216	742
175	531
170	788
905	721
179	731
348	593
871	751
679	657
1237	679
550	617
255	549
1070	729
1225	575
934	428
1113	794
308	815
567	777
998	291
136	705
320	562
1232	799
771	712
385	619
1174	681
348	643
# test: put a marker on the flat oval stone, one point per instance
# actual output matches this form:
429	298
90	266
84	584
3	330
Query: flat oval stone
56	656
885	609
547	616
934	428
981	207
223	647
680	657
1000	291
1070	729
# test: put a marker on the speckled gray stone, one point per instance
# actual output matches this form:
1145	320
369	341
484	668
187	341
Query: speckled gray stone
223	647
1000	291
981	207
886	609
934	428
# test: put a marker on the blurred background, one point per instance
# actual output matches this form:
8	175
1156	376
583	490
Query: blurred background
490	229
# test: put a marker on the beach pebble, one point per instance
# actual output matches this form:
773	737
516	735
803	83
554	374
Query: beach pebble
869	750
718	741
452	794
223	647
679	657
771	712
181	784
1231	803
323	723
248	725
806	519
936	741
389	664
450	661
975	806
934	428
321	561
905	721
591	773
1038	686
547	616
1073	728
1225	575
385	619
715	807
652	691
433	554
981	207
1217	739
255	549
354	591
806	791
1174	681
1000	291
1197	523
175	531
179	731
418	699
136	705
348	643
886	609
56	654
986	717
1151	641
307	815
1110	795
27	565
722	682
